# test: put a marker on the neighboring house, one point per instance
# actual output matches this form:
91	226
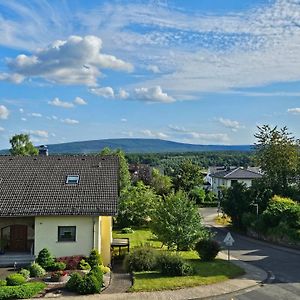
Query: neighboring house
228	176
63	203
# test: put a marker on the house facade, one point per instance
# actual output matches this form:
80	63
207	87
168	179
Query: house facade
63	203
229	176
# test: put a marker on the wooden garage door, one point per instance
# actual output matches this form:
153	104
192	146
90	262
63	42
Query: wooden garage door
18	238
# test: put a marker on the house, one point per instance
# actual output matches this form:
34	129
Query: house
63	203
226	177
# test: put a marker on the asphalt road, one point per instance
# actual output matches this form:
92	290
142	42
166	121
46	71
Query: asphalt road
282	265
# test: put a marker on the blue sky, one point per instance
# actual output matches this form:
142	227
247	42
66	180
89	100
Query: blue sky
202	72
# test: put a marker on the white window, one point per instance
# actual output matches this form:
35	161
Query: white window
72	179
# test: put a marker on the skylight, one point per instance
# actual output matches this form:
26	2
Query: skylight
72	179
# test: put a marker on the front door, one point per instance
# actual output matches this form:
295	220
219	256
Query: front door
18	238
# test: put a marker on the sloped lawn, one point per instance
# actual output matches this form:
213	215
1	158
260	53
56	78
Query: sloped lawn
205	272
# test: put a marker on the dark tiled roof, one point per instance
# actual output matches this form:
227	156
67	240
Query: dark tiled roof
238	173
36	186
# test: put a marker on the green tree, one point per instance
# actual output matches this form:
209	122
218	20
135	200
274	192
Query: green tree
162	184
277	153
136	205
187	176
21	145
124	171
236	202
197	194
176	222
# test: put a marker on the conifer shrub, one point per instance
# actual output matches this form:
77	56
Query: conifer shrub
207	249
15	279
94	258
45	259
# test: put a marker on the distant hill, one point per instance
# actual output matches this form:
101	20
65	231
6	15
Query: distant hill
136	146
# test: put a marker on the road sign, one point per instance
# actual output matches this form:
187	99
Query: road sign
228	240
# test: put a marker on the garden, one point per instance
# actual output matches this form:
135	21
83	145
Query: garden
72	274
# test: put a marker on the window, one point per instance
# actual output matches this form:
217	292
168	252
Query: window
233	182
66	233
72	179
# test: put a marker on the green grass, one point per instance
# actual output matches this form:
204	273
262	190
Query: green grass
205	272
138	237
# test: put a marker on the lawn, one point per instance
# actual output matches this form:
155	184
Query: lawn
205	272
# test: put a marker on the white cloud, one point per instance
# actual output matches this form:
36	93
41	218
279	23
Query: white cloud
21	110
24	119
77	60
153	68
1	129
4	112
199	137
231	124
150	133
294	111
57	102
69	121
152	94
123	94
39	133
106	92
80	101
36	115
124	120
14	78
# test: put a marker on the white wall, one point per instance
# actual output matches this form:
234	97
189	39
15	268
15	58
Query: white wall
46	235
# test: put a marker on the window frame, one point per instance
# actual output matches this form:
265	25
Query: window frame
73	180
59	235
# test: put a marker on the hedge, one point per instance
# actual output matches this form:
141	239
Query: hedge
24	291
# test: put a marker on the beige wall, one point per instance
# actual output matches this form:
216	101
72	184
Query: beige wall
106	239
46	235
217	182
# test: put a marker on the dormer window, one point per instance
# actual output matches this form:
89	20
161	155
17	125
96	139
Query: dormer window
72	179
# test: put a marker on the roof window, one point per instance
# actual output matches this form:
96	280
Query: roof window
72	179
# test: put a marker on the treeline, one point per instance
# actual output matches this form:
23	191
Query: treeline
169	161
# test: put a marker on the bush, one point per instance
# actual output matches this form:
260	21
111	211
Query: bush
94	259
74	282
127	230
83	265
15	279
248	220
71	261
89	285
97	272
207	249
2	283
142	258
25	273
36	270
24	291
105	269
45	259
173	265
57	266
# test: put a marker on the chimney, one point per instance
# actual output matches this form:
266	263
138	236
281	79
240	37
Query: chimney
43	150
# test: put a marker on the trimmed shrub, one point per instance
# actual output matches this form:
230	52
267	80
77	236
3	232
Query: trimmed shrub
57	266
97	272
24	291
84	265
104	269
45	259
2	282
25	273
15	279
89	285
36	270
208	249
94	258
74	282
173	265
142	258
127	230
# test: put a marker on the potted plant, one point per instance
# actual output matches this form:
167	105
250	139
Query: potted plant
59	276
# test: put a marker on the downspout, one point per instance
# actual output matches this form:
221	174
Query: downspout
94	222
